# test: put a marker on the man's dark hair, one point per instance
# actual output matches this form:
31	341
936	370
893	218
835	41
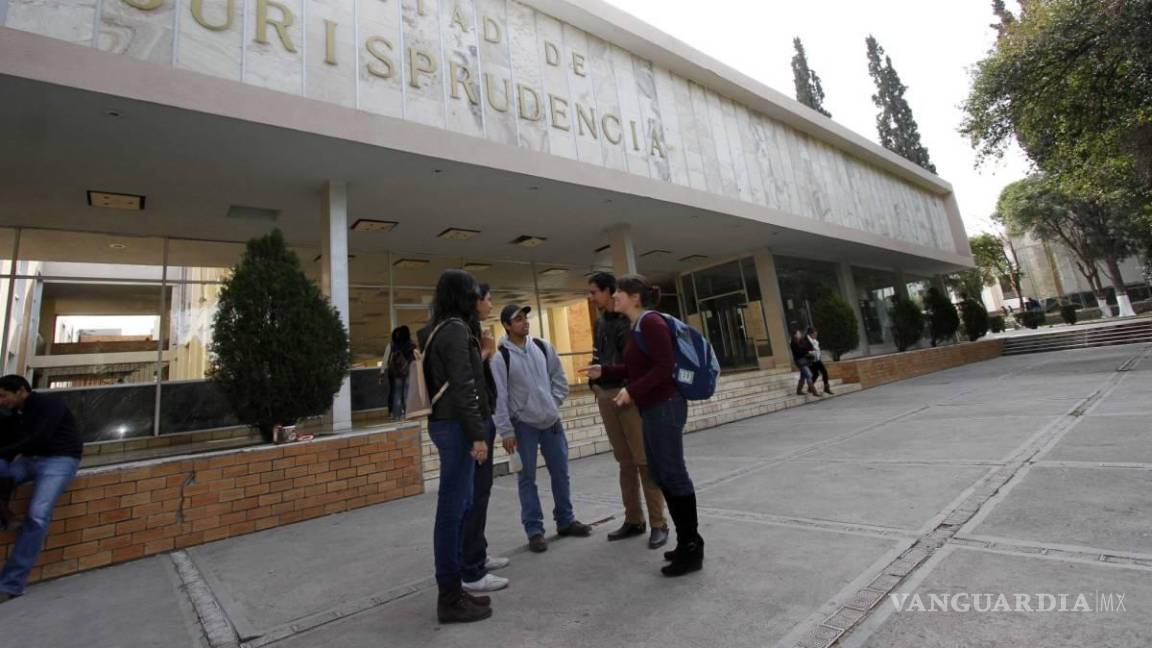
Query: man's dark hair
605	281
14	383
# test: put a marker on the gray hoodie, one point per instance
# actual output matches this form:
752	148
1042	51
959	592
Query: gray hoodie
530	389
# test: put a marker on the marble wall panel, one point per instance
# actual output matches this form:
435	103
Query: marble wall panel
763	152
672	132
703	127
218	49
751	161
715	116
736	148
635	142
423	63
331	53
464	102
67	20
500	121
608	103
141	34
278	63
580	82
651	128
380	48
532	128
559	112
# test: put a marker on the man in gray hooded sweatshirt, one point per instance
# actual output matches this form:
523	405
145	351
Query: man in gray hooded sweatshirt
530	387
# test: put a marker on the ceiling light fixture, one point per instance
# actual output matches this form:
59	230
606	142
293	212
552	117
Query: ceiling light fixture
411	264
601	248
373	225
112	200
552	272
529	241
694	257
118	246
457	234
477	267
655	252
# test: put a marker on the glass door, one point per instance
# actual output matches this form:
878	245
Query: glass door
726	327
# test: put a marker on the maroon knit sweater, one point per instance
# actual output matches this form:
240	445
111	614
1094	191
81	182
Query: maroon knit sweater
649	375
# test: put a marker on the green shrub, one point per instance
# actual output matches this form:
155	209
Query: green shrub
907	323
279	349
976	320
1068	313
1032	319
943	320
836	321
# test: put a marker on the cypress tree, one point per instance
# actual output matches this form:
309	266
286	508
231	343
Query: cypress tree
808	89
895	123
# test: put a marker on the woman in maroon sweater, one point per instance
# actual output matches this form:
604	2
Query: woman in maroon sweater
652	388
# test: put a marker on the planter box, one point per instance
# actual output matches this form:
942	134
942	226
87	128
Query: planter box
882	369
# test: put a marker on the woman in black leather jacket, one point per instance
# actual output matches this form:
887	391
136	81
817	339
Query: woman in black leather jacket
454	373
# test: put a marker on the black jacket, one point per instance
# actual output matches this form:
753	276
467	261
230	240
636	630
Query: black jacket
454	357
43	428
610	338
800	351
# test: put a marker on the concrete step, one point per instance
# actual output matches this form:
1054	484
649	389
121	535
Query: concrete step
1077	345
584	397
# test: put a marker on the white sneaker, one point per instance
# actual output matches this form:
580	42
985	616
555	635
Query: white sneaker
496	563
489	583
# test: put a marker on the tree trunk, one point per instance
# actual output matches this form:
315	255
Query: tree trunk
1123	304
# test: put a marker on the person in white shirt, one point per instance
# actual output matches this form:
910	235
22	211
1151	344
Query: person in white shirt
817	367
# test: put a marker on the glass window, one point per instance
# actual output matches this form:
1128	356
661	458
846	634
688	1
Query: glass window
719	280
875	290
53	253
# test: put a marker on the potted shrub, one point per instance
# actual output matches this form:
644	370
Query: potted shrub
279	349
976	320
836	321
1068	313
1032	318
943	320
995	323
907	323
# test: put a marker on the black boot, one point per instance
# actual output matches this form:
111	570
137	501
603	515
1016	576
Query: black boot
452	606
7	487
688	556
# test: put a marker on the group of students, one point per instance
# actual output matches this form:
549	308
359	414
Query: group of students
481	388
807	357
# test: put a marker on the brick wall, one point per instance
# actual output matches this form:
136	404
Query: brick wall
878	370
120	513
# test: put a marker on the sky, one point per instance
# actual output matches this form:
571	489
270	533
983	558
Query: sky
933	46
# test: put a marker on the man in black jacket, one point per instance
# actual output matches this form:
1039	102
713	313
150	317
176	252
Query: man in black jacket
623	425
46	449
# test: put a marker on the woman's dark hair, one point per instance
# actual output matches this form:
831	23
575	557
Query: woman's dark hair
483	290
605	281
635	284
401	337
456	296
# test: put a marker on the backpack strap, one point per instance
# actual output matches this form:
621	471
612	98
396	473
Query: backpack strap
638	335
428	345
508	361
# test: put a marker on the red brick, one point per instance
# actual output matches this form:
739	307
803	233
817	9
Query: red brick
116	542
161	519
153	483
231	494
131	526
95	560
63	512
99	479
135	499
99	532
81	550
57	569
157	546
268	500
271	476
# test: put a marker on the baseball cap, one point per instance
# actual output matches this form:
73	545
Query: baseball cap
511	310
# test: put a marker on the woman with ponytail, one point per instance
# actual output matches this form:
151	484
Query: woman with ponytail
652	387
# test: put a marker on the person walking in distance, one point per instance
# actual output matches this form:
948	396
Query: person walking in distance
399	357
663	410
454	373
477	562
802	357
623	424
530	387
817	367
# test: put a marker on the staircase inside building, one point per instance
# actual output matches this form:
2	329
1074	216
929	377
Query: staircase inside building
738	396
1128	331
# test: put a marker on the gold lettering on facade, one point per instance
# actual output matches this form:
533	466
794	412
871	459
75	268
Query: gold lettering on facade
145	5
585	118
371	45
559	109
522	94
457	79
635	137
329	42
491	93
578	64
604	128
458	19
551	54
419	61
281	26
492	32
198	16
657	147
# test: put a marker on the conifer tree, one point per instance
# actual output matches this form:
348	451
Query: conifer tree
808	89
895	123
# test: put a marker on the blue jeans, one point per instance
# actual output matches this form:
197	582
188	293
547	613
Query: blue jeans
457	469
664	446
397	397
52	475
554	446
475	522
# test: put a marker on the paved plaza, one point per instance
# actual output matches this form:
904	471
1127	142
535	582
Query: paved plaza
1027	476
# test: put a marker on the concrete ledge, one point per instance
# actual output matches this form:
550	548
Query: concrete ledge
882	369
119	513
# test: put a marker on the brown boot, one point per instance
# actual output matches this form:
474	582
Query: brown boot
812	389
452	606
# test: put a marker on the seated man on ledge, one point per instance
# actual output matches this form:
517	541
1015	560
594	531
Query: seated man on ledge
41	443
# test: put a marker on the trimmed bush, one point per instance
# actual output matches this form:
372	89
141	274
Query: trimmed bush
943	320
1033	319
279	350
907	323
976	320
996	324
1068	313
836	321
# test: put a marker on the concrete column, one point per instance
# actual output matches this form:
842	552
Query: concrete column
334	283
623	251
901	283
849	293
773	309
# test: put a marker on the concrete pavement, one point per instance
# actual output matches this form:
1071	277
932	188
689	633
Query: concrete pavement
1022	475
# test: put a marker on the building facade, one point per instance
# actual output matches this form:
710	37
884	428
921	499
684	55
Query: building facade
531	143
